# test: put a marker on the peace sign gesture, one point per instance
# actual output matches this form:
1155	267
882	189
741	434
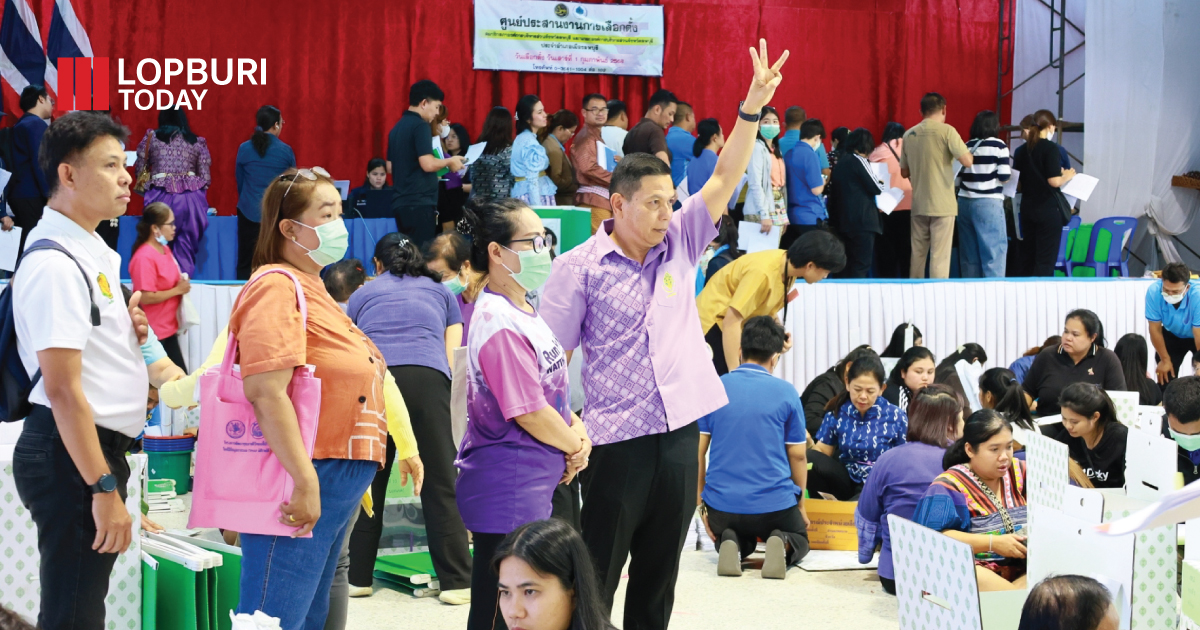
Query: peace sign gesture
766	78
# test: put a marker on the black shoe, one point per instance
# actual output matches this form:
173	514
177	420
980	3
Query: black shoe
729	560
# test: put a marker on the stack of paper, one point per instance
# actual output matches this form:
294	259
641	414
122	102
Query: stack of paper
881	173
751	238
473	152
887	201
1010	186
1079	188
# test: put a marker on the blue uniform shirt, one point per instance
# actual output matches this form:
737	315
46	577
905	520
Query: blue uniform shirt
1180	319
803	174
700	170
790	139
256	172
680	144
748	467
861	438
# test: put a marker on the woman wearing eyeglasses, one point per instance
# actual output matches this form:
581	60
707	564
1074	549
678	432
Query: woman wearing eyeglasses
522	440
415	321
289	576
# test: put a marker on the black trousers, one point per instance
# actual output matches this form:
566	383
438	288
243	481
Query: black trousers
889	585
174	351
1177	349
794	232
829	475
716	342
418	222
74	578
364	536
750	528
426	391
1043	235
247	240
893	250
26	214
564	505
638	500
485	585
860	253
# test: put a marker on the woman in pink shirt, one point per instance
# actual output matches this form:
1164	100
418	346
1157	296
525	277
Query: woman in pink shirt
894	249
156	274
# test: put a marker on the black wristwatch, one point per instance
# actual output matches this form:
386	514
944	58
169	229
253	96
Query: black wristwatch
106	484
748	117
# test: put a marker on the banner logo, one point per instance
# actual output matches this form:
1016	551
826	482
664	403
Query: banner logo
82	83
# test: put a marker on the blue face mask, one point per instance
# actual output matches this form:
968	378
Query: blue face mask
162	240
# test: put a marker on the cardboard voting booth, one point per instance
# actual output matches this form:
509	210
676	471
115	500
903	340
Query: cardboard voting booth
832	524
20	588
936	585
571	225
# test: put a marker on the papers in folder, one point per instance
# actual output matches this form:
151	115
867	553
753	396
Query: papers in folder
10	248
888	200
605	156
751	239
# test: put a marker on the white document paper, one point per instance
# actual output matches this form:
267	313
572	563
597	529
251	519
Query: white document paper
957	168
880	171
1080	186
10	246
474	151
4	177
130	158
605	156
1010	186
751	239
887	201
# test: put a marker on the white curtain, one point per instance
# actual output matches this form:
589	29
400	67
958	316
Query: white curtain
1031	52
1143	109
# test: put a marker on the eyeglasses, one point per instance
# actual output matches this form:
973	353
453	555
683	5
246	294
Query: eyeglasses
307	173
597	110
540	243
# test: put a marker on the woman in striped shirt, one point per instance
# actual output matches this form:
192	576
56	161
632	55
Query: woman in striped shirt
982	235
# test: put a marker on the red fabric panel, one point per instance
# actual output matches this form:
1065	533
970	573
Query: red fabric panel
340	71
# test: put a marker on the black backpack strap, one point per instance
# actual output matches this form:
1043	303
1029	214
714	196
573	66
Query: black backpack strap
47	244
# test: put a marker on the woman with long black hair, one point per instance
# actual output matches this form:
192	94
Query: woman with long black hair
896	345
179	168
1131	350
709	140
415	321
453	189
852	208
529	159
912	373
491	175
260	160
1000	390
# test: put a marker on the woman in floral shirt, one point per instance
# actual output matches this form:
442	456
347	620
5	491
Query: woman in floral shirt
178	163
490	175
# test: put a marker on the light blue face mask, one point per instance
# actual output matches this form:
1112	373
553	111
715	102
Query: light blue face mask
162	240
1186	442
455	285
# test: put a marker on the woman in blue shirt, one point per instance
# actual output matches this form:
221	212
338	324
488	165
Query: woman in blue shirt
902	475
260	160
529	158
709	140
859	426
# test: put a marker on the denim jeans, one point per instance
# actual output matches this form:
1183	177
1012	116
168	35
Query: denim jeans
289	578
982	238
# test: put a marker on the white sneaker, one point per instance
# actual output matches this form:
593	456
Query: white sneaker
361	591
456	597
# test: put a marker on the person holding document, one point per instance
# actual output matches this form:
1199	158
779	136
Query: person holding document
766	178
592	177
490	175
894	251
1042	219
852	207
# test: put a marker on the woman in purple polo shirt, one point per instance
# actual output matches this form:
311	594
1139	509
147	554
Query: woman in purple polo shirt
522	439
414	320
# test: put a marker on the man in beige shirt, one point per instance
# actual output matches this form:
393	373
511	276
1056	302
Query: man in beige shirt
929	151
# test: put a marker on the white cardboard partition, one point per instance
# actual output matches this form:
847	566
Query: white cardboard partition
1046	470
1126	404
935	579
1063	544
1149	466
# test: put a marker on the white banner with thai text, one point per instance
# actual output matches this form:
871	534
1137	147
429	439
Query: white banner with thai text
541	36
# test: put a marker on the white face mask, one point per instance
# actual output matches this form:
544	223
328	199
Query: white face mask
445	131
1172	299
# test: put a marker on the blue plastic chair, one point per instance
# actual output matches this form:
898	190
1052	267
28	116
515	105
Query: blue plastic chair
1064	254
1121	228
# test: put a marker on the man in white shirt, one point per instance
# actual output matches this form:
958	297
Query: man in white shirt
614	131
89	403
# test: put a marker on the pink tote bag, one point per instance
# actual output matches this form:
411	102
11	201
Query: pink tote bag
239	482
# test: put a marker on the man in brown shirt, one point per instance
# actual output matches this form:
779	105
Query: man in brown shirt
929	150
592	177
649	135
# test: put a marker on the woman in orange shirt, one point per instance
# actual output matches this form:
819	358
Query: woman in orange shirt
302	232
893	250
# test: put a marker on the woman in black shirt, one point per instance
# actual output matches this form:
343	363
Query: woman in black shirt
1041	173
852	209
1132	352
1092	433
1080	358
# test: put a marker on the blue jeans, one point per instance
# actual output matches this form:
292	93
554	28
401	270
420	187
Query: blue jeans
982	238
289	578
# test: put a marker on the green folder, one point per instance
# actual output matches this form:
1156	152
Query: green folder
183	595
228	579
149	593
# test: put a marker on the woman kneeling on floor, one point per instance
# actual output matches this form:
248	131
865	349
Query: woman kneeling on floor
980	500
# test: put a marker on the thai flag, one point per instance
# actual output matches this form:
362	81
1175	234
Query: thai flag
22	59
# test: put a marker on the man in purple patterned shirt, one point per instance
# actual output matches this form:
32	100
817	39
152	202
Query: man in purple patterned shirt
626	297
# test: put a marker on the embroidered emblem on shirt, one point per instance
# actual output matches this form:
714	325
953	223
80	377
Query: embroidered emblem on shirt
105	289
669	283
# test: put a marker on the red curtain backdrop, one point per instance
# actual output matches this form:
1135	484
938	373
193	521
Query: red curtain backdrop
340	71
